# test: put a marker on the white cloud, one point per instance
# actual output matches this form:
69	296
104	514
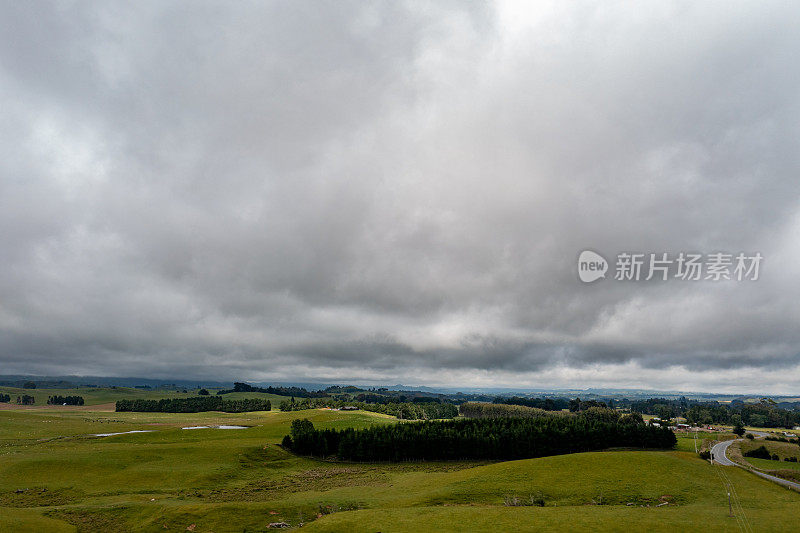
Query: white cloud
396	191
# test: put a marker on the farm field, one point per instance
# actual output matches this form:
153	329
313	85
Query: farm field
782	449
785	469
106	396
55	476
767	464
687	441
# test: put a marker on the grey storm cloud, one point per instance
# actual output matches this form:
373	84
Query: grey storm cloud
397	191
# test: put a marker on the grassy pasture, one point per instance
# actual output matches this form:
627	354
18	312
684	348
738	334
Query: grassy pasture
55	477
596	491
767	464
781	468
96	396
782	449
705	439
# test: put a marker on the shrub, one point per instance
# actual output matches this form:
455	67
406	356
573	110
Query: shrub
536	500
759	453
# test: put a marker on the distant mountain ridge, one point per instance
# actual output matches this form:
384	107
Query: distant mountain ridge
72	381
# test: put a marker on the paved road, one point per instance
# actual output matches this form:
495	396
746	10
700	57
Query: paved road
718	454
779	481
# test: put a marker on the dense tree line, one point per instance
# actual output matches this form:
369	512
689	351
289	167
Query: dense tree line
369	397
547	404
65	400
377	398
594	413
26	400
661	407
765	413
194	405
281	391
384	395
499	410
404	411
346	389
577	404
480	438
5	398
366	395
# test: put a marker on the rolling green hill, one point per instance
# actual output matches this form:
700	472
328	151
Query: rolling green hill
107	395
597	491
55	476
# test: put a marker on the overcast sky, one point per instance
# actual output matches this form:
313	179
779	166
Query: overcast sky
392	192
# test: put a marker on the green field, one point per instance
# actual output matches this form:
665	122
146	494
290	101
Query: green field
782	449
55	477
108	395
688	442
767	464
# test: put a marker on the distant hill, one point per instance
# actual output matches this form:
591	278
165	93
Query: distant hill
65	382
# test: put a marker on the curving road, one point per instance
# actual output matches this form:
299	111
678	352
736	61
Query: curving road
718	454
779	481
